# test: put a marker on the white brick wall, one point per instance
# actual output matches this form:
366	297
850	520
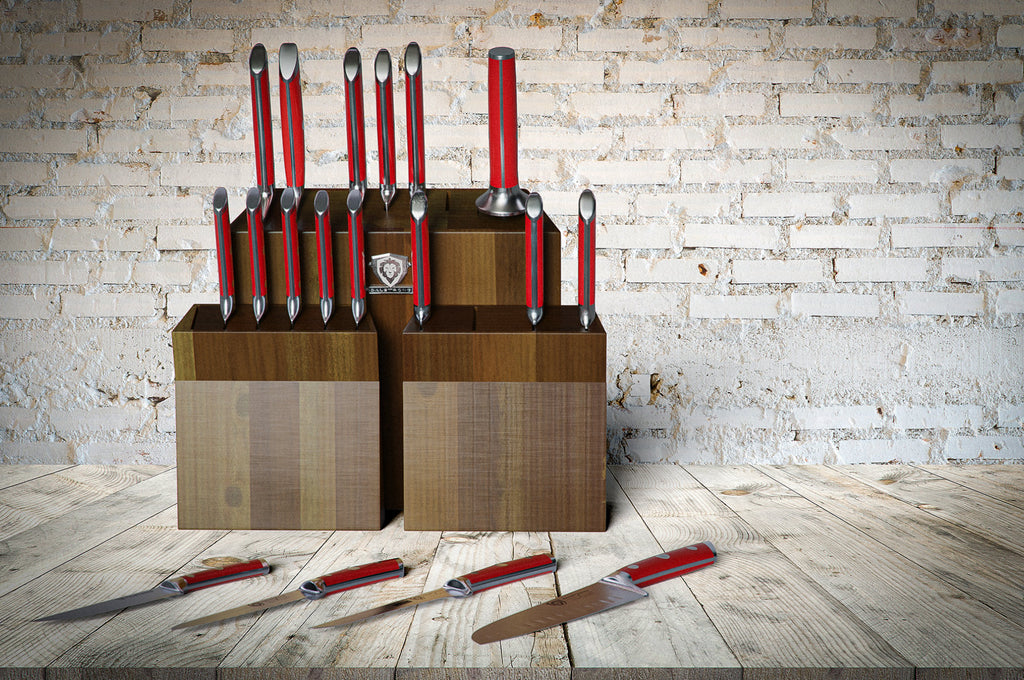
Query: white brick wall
811	212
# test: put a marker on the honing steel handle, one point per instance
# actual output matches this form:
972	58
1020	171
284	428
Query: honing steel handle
534	258
669	565
225	261
414	116
214	577
259	77
385	125
257	254
290	233
292	133
324	250
353	72
502	116
500	574
420	256
353	577
357	256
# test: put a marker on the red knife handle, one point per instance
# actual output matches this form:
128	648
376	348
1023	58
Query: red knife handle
257	254
534	251
353	69
587	248
501	117
324	248
213	577
671	564
420	249
292	133
353	577
222	226
500	574
414	115
357	256
290	232
259	77
385	118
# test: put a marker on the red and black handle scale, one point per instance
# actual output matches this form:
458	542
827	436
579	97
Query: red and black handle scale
504	197
500	574
357	256
212	577
668	565
385	126
290	232
420	233
257	254
259	80
353	577
353	69
414	117
534	258
324	253
225	261
587	250
292	133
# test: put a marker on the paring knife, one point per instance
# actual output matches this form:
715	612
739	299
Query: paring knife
414	117
385	126
353	68
290	232
225	261
259	79
292	133
322	586
464	586
170	588
257	255
619	588
324	253
356	254
534	258
420	257
587	258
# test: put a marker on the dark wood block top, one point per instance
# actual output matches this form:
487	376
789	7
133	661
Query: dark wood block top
503	319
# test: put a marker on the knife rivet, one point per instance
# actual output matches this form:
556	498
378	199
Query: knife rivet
663	556
633	566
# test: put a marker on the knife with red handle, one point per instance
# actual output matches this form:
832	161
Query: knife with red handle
385	126
324	253
587	258
356	254
414	117
259	80
257	254
290	232
172	587
613	590
464	586
225	261
314	589
534	258
292	134
353	71
420	233
504	197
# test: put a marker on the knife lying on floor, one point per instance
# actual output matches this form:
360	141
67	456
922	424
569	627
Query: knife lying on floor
464	586
619	588
322	586
170	588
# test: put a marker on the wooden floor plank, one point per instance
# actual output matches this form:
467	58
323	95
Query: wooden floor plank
1003	482
16	474
772	615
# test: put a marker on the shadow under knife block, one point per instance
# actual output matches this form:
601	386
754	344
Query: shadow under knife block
504	425
277	427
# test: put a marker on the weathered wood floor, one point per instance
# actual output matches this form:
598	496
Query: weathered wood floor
865	571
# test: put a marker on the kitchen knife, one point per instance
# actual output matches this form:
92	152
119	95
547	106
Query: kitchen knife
257	255
613	590
259	79
504	197
414	117
353	69
225	262
322	586
356	254
324	253
170	588
385	126
587	258
420	257
290	231
464	586
292	134
534	259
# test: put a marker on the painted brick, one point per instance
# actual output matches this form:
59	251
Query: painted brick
987	202
877	269
165	272
549	72
446	8
126	10
687	270
1009	106
837	417
995	72
42	141
830	170
624	172
157	207
187	40
109	304
153	141
519	39
1010	35
681	71
883	451
758	70
10	44
1010	167
977	7
727	104
26	307
1010	302
24	173
50	207
723	38
938	170
851	236
880	138
1007	234
561	8
937	39
751	417
115	272
674	137
980	136
102	174
23	239
97	419
760	236
946	416
207	174
990	447
195	108
789	204
192	237
337	8
873	71
936	235
120	453
692	204
230	75
776	271
601	104
96	238
47	273
37	453
628	236
830	37
893	205
765	9
872	9
932	105
161	76
726	171
626	303
650	450
669	9
1010	415
18	418
310	39
91	110
1001	268
834	304
606	40
179	303
81	43
596	140
940	304
397	37
734	306
770	137
832	104
17	110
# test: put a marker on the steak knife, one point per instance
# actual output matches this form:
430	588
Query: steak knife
353	69
587	258
385	126
414	117
420	257
534	259
290	231
257	253
356	254
292	133
324	253
225	261
259	79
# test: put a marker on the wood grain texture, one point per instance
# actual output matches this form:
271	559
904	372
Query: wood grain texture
11	475
1002	482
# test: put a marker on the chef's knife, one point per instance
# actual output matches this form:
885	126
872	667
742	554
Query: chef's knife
420	257
322	586
414	117
619	588
324	253
259	79
464	586
587	261
257	255
504	197
290	231
292	134
356	254
225	261
353	70
534	259
385	126
170	588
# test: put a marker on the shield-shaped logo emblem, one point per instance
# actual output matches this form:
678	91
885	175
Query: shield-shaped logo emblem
390	269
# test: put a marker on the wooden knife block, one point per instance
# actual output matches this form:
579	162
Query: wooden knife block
277	428
504	425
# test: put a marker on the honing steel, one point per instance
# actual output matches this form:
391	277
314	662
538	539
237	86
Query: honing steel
613	590
534	258
257	254
353	69
464	586
414	117
356	253
587	258
420	257
170	588
290	232
385	126
259	79
321	586
225	262
324	254
292	134
504	197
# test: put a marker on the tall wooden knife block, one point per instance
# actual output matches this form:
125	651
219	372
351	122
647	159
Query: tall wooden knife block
504	424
